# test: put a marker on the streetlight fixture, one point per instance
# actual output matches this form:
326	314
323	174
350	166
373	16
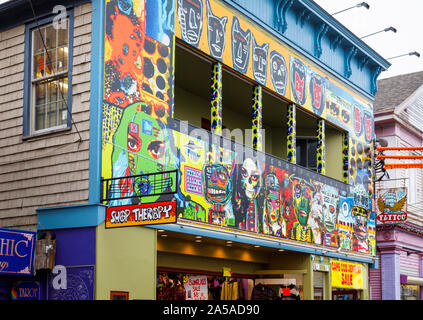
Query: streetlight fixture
414	53
362	4
384	30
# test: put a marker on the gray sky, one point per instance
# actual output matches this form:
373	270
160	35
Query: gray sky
404	15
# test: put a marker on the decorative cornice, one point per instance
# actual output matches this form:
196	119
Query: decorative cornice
350	54
318	40
281	10
303	17
376	74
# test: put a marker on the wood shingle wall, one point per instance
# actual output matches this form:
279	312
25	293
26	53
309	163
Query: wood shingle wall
52	169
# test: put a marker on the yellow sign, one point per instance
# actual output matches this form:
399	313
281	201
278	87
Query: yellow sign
347	275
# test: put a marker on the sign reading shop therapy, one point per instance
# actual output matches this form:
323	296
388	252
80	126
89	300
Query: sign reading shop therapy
141	214
17	248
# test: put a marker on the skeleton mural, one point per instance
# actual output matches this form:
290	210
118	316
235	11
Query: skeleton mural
216	33
190	14
260	54
246	201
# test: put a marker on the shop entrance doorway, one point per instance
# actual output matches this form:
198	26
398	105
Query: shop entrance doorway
345	294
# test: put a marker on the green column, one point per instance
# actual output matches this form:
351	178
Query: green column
321	147
216	99
257	118
291	134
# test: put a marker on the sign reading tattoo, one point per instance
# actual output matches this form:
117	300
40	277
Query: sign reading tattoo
141	214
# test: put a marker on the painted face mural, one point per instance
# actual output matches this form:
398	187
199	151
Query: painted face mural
273	206
251	178
298	81
217	184
303	195
240	46
190	13
124	71
216	33
260	54
139	148
317	93
330	197
278	72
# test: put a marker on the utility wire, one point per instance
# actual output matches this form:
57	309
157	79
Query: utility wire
52	67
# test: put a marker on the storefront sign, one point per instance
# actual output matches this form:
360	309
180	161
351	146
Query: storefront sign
17	251
347	275
141	214
196	288
26	290
392	205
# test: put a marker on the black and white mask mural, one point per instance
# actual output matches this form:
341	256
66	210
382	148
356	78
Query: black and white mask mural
278	72
190	14
216	33
317	93
240	46
260	54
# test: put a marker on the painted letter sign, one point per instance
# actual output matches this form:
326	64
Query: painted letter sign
17	249
141	214
346	275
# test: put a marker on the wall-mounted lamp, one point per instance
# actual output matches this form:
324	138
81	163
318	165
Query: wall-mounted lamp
414	53
384	30
362	4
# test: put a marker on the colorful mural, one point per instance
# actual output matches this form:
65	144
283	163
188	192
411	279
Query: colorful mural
218	185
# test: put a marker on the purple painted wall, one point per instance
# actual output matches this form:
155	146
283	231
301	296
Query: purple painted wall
76	246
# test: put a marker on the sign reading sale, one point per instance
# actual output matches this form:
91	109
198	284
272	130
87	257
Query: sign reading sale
141	214
346	275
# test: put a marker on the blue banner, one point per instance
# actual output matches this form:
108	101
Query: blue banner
17	249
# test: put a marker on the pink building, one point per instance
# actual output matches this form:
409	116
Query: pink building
398	275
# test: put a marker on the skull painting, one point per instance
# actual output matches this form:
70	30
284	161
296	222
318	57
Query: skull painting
251	178
190	14
278	72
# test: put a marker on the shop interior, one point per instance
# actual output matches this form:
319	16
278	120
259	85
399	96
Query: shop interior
195	267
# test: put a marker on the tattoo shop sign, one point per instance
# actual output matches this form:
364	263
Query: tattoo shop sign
392	205
17	248
141	214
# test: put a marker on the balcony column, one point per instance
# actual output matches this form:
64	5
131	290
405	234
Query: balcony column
257	118
321	147
345	157
291	136
216	99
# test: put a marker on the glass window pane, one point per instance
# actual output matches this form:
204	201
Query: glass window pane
62	105
38	54
40	106
62	33
311	156
50	40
